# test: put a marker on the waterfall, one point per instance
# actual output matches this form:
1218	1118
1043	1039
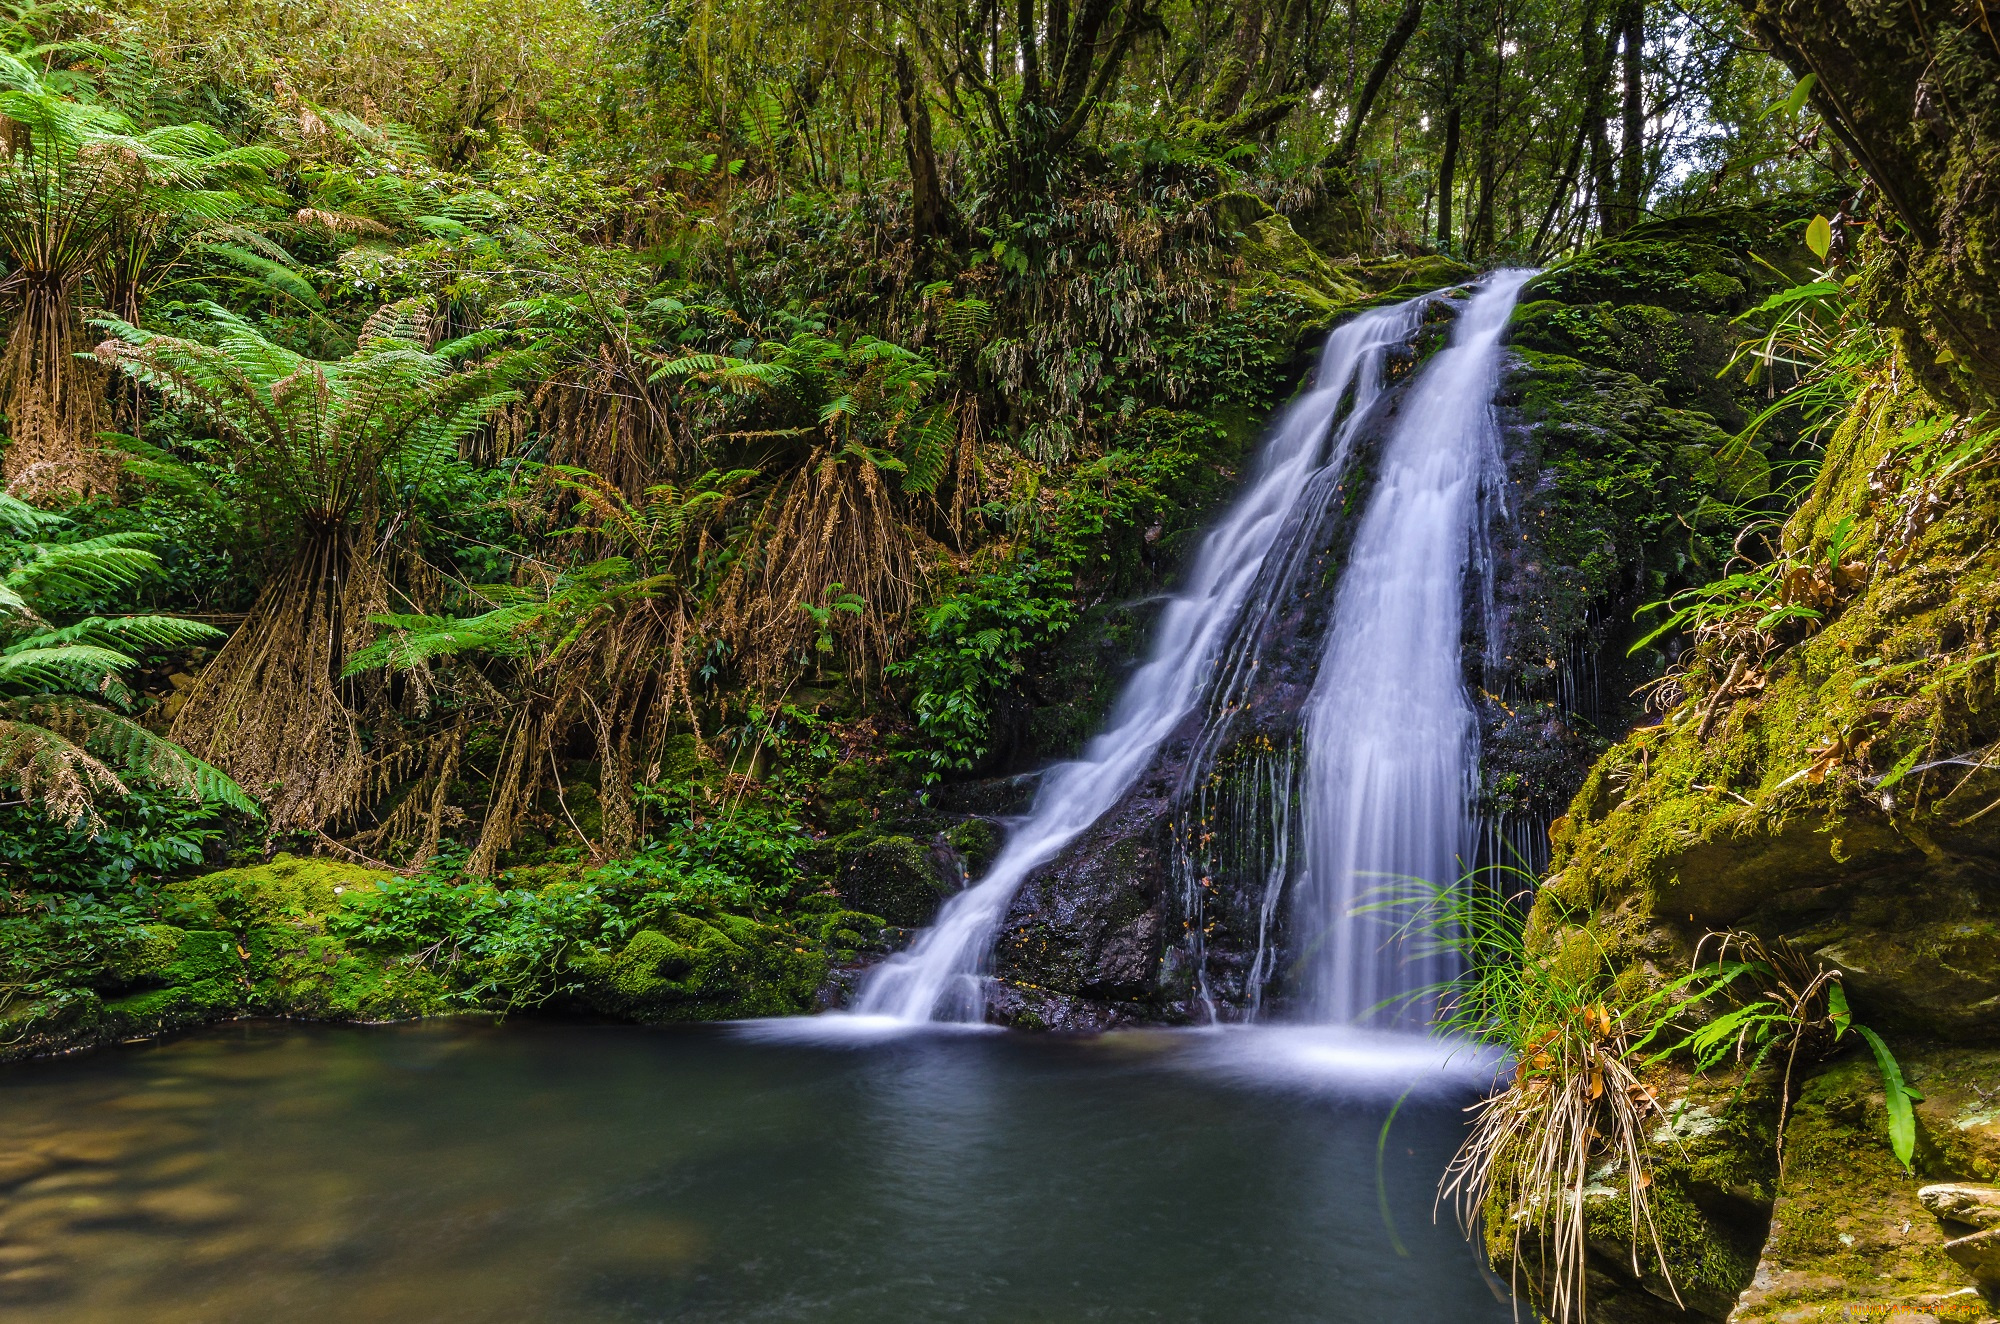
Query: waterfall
1392	745
1198	651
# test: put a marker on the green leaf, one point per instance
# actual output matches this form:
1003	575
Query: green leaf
1819	237
1897	1095
1836	1001
1797	98
1902	768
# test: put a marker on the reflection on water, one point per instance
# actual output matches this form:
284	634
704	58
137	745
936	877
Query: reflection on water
537	1172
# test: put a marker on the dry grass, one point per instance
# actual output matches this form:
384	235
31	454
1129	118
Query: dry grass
1573	1117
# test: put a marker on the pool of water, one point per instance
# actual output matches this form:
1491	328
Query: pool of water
533	1171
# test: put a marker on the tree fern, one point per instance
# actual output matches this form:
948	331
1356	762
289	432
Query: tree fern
61	746
83	193
314	448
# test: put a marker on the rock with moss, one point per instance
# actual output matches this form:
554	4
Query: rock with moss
1624	482
1710	1188
1829	794
1851	1237
1701	262
1761	804
899	878
246	941
709	966
1275	256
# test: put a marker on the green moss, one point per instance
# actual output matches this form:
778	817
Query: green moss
1276	257
688	967
1849	1239
1700	262
891	876
288	889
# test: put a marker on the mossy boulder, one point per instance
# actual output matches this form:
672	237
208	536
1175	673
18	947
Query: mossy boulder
1766	813
1850	1238
1831	796
1275	256
1391	279
287	889
1701	262
237	942
701	967
895	877
274	916
842	932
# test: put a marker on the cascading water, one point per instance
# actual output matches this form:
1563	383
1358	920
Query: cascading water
941	976
1392	743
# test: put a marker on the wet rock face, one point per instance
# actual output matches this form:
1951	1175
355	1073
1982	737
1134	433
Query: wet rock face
1600	466
1110	919
1620	478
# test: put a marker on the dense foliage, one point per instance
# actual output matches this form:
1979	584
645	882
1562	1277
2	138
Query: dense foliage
521	435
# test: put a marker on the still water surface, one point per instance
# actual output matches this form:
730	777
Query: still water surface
465	1172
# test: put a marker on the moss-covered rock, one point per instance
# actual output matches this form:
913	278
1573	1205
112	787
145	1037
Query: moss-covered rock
1710	1192
1765	804
1277	257
701	967
895	877
1407	277
1274	256
247	941
1849	1237
1701	262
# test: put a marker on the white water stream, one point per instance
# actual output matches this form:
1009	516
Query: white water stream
1392	745
1389	793
941	977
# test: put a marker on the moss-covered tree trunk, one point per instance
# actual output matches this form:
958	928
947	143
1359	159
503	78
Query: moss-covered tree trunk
1912	90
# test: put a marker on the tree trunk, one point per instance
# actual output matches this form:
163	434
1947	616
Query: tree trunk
1481	236
1448	160
1632	135
1907	85
1596	71
1378	74
931	215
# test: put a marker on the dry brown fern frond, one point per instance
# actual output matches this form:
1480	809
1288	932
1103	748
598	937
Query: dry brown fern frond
832	524
608	418
53	771
305	756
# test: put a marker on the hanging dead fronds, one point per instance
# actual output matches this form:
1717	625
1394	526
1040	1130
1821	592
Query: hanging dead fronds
610	646
829	531
1570	1128
606	417
313	446
76	181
